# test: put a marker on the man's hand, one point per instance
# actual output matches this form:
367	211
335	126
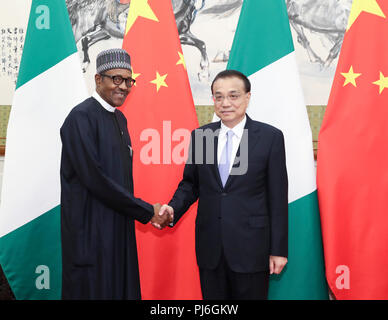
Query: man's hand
167	210
276	264
159	221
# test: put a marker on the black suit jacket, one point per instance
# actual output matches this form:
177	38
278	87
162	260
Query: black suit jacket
248	218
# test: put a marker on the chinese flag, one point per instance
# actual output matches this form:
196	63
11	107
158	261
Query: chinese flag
352	167
161	114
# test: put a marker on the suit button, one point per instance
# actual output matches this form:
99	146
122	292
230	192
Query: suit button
219	218
224	194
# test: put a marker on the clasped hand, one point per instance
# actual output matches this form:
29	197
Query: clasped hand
163	215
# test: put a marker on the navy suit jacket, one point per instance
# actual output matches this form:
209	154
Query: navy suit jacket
248	218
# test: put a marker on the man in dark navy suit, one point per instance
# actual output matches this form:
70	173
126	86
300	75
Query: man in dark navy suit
237	170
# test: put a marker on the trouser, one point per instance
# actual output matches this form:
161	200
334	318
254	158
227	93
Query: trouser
224	284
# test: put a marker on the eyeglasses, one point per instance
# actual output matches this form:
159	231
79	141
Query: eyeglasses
117	80
231	97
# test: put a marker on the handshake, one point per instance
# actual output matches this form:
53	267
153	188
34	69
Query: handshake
163	215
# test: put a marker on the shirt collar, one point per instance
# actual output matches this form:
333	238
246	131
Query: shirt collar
238	129
105	104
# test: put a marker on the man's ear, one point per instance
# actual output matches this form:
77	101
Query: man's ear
249	96
97	79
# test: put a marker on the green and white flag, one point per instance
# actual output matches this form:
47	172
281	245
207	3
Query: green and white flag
263	50
50	83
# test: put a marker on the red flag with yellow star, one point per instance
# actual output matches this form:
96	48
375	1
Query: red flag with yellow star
352	166
161	114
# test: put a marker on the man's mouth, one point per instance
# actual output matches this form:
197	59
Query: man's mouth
120	94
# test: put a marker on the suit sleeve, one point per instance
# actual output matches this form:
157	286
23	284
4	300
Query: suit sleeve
187	192
80	147
278	197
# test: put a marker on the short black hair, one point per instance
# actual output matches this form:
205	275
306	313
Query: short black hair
232	74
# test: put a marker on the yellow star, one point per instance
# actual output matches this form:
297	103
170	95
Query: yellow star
160	81
181	60
135	75
139	8
350	77
369	6
382	82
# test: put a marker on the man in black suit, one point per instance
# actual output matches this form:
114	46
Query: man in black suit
241	183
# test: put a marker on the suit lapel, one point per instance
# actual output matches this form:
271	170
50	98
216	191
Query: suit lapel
253	134
250	136
214	166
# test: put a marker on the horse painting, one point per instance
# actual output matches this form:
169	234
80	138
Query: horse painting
328	18
96	20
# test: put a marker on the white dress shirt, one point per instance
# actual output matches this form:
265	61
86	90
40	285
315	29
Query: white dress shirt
105	104
238	131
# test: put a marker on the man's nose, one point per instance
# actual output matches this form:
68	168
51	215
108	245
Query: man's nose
123	86
225	102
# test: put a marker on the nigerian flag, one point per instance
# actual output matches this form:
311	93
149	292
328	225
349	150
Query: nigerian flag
50	83
263	50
